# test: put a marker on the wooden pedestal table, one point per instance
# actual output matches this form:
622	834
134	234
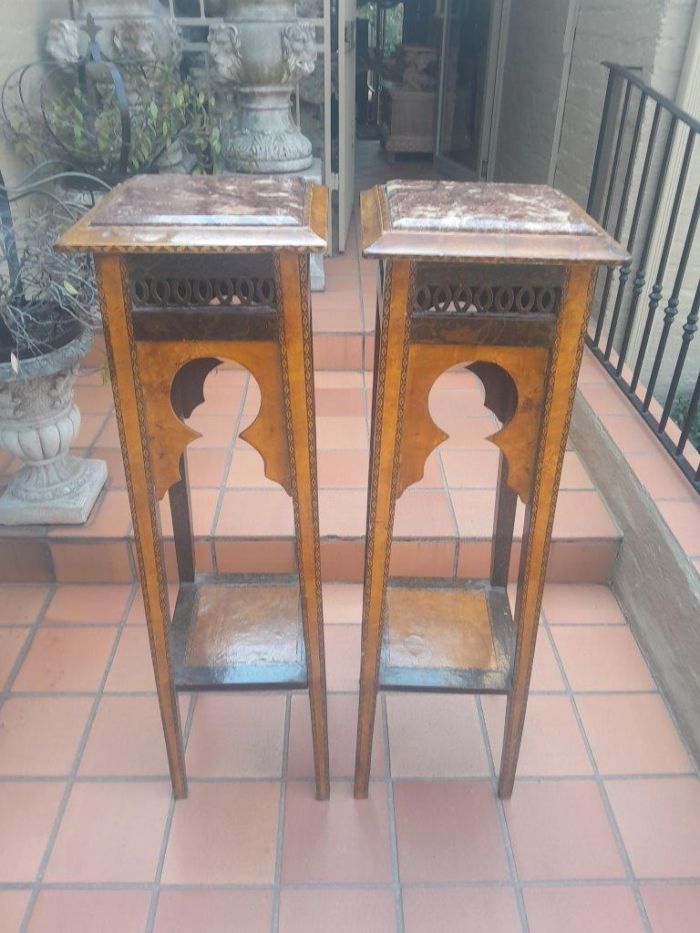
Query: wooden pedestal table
193	271
498	277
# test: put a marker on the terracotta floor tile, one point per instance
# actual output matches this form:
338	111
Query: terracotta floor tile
126	739
345	402
448	832
215	430
491	910
571	603
203	504
602	658
221	399
552	743
13	904
606	399
559	830
224	833
574	474
340	840
672	908
90	604
683	519
248	470
333	433
92	429
473	469
63	659
339	379
110	832
632	735
342	603
629	433
435	736
94	399
27	814
256	513
236	736
660	476
184	911
131	668
545	669
74	562
40	735
342	657
343	911
11	643
339	468
109	519
57	911
424	514
605	909
474	511
580	513
412	557
342	559
342	732
206	467
242	555
115	466
659	820
468	433
20	605
343	512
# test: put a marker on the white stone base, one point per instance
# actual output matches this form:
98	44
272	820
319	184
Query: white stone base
71	509
318	274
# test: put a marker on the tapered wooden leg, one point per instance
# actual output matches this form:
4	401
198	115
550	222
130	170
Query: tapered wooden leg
129	407
539	516
297	355
391	363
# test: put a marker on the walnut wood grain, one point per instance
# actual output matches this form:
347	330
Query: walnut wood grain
497	277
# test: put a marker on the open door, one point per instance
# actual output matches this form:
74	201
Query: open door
347	11
470	62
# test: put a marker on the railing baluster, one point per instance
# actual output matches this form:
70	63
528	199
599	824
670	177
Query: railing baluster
672	306
657	289
625	270
689	328
640	275
608	205
602	133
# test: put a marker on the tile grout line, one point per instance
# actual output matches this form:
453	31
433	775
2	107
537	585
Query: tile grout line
156	883
281	817
391	814
600	783
502	821
25	648
70	780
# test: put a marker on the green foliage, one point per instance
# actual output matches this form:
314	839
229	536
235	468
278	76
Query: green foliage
82	126
679	413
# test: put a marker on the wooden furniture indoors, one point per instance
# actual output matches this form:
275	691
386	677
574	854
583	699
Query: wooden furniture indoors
192	271
498	277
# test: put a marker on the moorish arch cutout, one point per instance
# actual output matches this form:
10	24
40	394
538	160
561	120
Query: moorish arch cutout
505	372
171	366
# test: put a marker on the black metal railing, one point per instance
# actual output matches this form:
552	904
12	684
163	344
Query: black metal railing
644	190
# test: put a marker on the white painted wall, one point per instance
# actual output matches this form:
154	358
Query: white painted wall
22	37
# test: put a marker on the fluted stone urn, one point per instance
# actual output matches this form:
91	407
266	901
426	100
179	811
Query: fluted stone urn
263	50
39	421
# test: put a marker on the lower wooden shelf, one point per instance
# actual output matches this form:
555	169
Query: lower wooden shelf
453	637
238	632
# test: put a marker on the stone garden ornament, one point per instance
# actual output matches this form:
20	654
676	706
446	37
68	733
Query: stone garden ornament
264	50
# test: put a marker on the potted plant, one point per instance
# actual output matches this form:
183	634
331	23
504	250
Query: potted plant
47	311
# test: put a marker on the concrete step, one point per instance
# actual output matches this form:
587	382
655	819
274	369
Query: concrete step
243	522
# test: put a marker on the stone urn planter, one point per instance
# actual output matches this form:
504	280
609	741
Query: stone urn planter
263	50
38	423
137	30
